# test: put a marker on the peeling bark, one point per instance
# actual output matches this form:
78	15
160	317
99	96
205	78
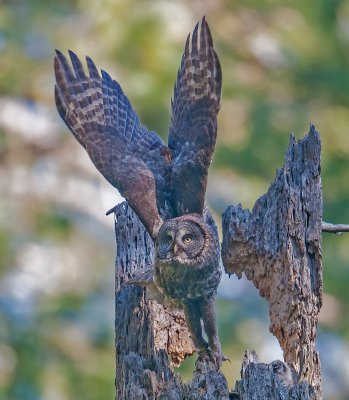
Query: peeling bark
278	247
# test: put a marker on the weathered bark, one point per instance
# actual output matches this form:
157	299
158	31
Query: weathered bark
278	247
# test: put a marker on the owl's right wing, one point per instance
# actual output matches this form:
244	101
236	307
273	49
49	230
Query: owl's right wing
145	277
131	158
193	129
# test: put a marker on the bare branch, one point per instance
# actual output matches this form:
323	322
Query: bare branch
332	228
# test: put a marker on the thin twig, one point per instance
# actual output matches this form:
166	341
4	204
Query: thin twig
332	228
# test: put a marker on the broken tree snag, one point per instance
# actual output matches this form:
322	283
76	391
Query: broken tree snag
146	332
278	247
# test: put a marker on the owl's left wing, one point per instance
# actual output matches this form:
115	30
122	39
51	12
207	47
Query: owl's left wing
193	128
99	114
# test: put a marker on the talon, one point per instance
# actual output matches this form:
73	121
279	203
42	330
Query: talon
215	357
204	361
219	358
226	359
204	355
111	210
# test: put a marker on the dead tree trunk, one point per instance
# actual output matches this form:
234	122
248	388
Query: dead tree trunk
278	246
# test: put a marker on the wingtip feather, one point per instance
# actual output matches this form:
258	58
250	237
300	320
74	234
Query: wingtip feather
92	68
59	53
194	40
77	65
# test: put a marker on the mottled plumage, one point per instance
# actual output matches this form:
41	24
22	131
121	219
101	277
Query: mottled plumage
165	185
284	373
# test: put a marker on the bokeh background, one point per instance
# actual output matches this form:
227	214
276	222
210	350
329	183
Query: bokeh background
285	64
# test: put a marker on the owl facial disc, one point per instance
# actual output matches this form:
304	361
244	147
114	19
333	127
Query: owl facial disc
180	239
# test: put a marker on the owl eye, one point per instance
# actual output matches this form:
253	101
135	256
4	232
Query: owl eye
277	366
187	239
168	239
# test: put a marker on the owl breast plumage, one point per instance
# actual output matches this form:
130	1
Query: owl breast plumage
164	184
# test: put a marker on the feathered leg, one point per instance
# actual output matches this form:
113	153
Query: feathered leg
193	319
208	314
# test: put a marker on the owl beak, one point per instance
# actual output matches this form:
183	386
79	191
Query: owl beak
178	251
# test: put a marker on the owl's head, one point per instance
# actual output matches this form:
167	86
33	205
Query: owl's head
182	238
283	372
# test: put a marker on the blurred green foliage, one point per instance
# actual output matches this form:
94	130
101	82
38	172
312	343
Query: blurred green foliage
284	65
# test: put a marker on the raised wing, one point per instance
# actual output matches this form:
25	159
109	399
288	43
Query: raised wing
102	119
193	129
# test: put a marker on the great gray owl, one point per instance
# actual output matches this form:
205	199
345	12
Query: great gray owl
165	185
284	373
